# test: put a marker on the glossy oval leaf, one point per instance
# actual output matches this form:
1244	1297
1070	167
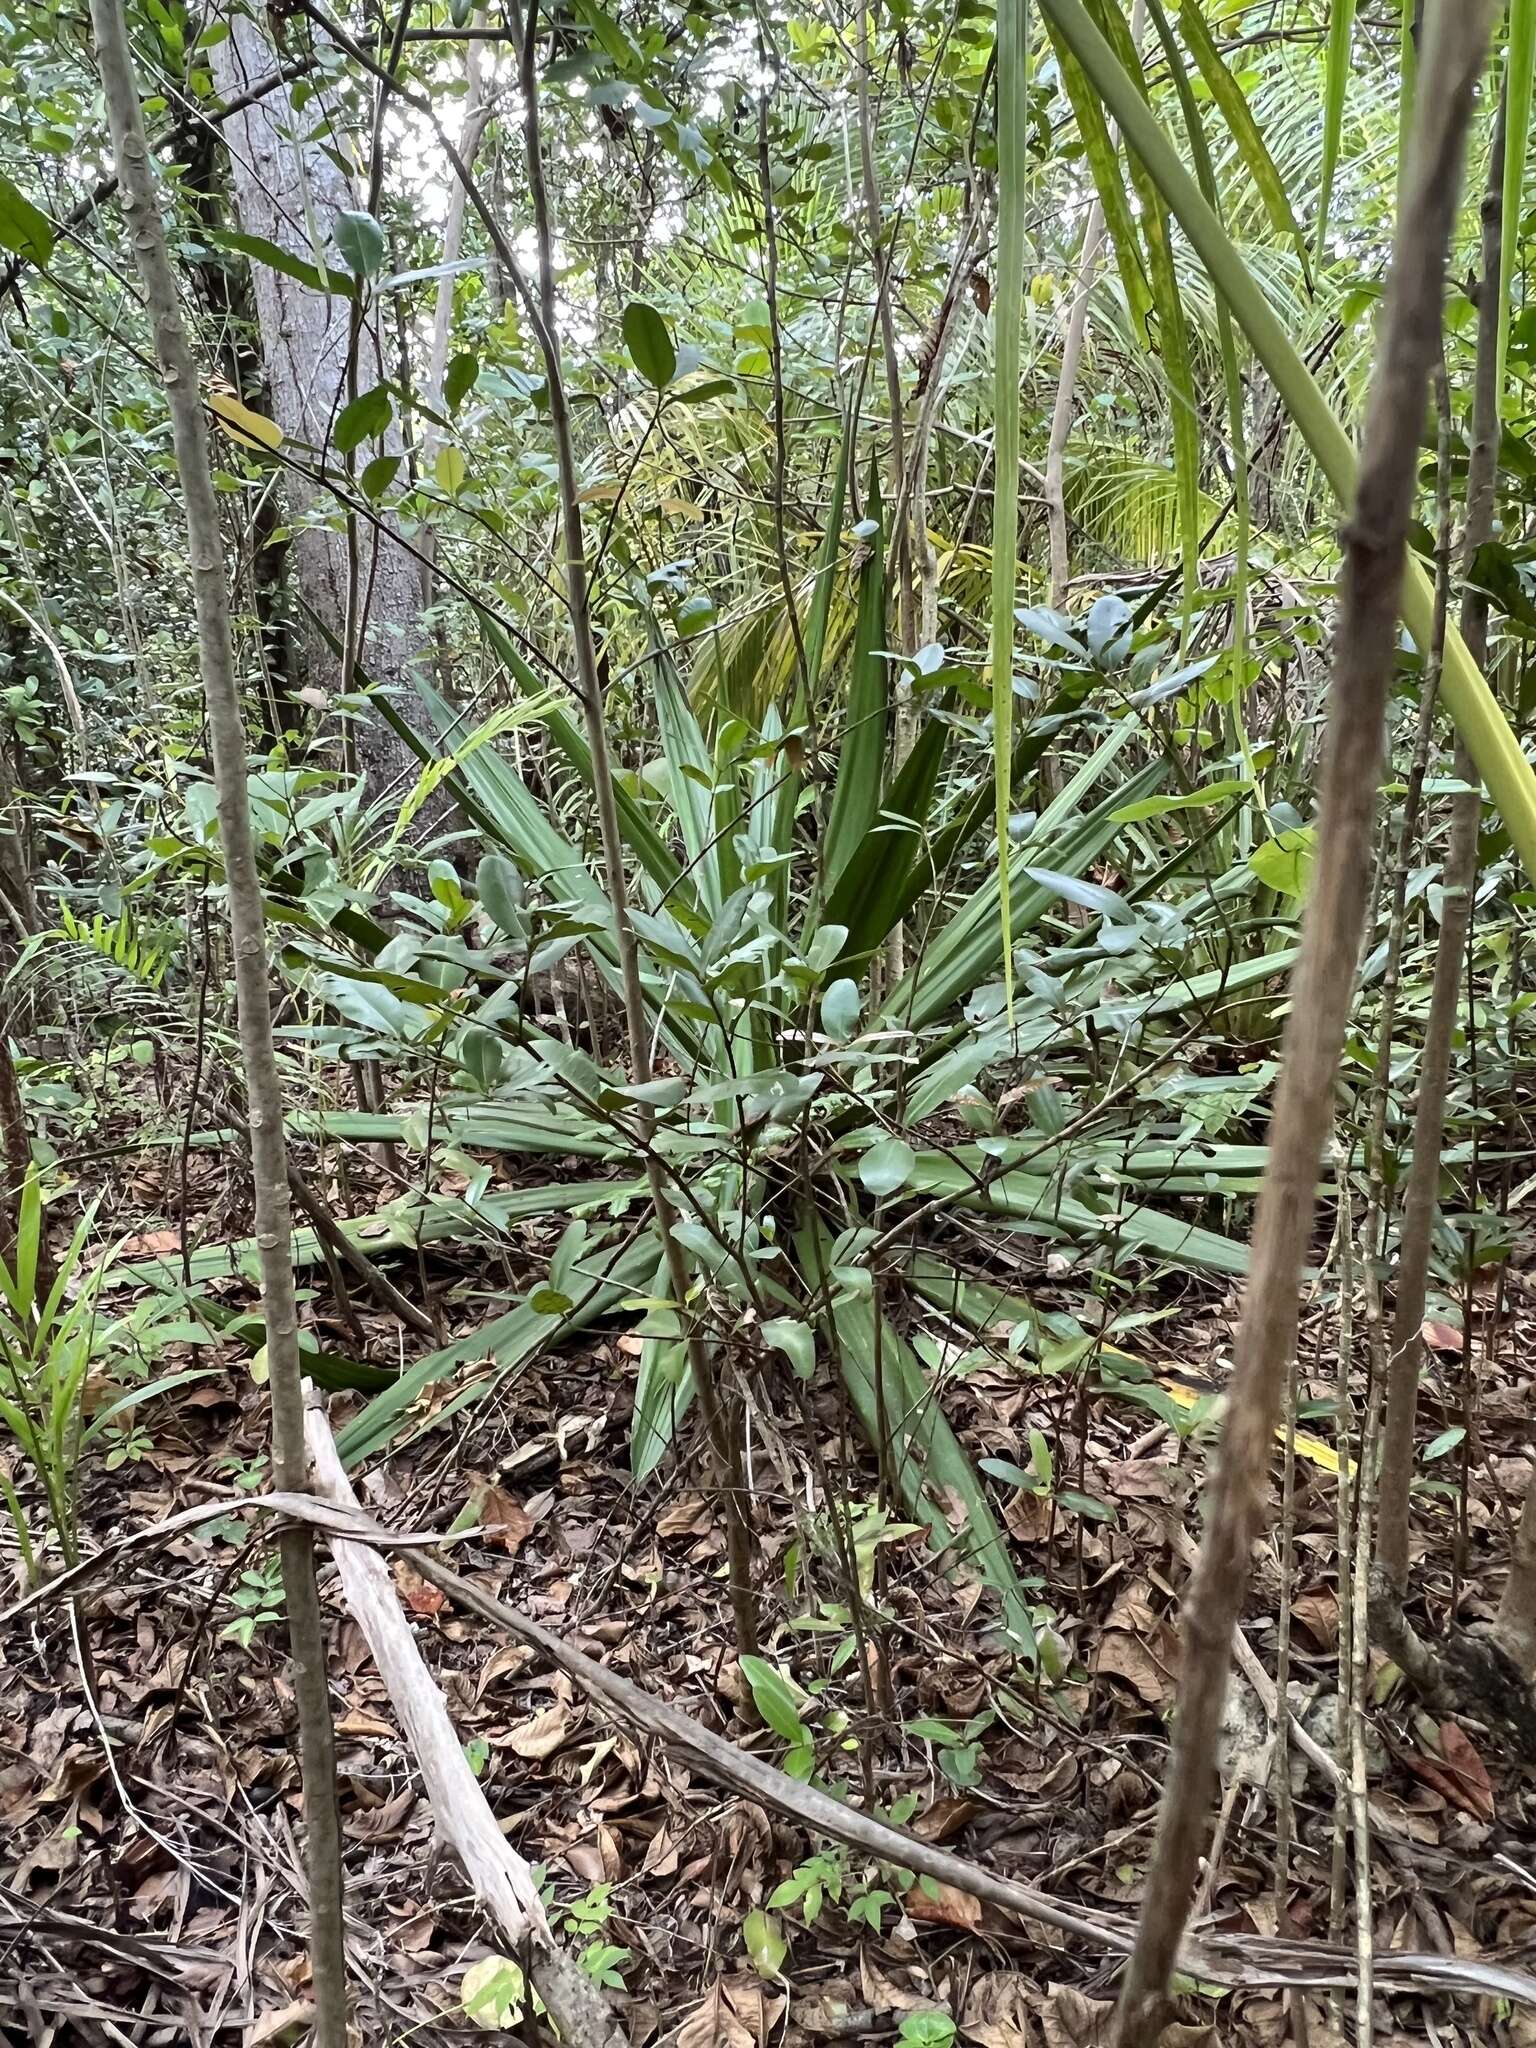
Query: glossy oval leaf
650	346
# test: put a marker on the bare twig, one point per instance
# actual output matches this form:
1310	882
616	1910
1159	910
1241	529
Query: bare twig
1374	548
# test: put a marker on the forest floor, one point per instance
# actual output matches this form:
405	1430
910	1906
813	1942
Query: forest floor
149	1863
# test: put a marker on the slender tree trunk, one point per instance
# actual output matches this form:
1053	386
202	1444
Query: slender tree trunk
1516	1626
290	1463
718	1421
1371	588
1458	883
290	191
476	117
1054	489
882	264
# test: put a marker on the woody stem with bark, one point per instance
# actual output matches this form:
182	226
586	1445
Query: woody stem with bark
1370	594
1458	882
216	660
718	1423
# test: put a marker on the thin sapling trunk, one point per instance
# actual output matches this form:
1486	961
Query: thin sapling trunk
1365	652
1458	882
216	659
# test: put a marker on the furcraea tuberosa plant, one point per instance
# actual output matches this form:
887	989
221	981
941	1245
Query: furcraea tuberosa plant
644	767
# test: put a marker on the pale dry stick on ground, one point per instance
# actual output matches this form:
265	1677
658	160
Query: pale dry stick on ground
1371	591
460	1811
1237	1960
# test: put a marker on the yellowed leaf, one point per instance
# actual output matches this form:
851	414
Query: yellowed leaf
249	429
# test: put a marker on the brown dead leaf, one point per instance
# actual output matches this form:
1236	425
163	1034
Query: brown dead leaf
1132	1658
826	2012
382	1823
1072	2020
503	1520
1140	1478
997	2008
944	1906
357	1721
283	2028
1318	1614
714	2025
881	1994
541	1735
736	2014
689	1516
946	1818
504	1663
418	1596
149	1241
1440	1336
1459	1772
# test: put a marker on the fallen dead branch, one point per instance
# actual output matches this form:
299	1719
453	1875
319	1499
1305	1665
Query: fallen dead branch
463	1819
1238	1961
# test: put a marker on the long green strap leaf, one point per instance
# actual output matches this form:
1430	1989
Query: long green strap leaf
1232	376
1238	115
1521	59
1172	329
1008	306
1341	27
1408	76
861	760
1104	162
1503	767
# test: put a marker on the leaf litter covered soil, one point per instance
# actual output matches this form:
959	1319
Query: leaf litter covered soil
150	1885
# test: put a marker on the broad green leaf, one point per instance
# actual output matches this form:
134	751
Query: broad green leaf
260	250
492	1993
500	889
23	229
459	379
796	1340
360	242
1285	862
378	476
1086	895
650	346
1191	799
841	1007
887	1166
765	1944
449	471
365	417
776	1698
